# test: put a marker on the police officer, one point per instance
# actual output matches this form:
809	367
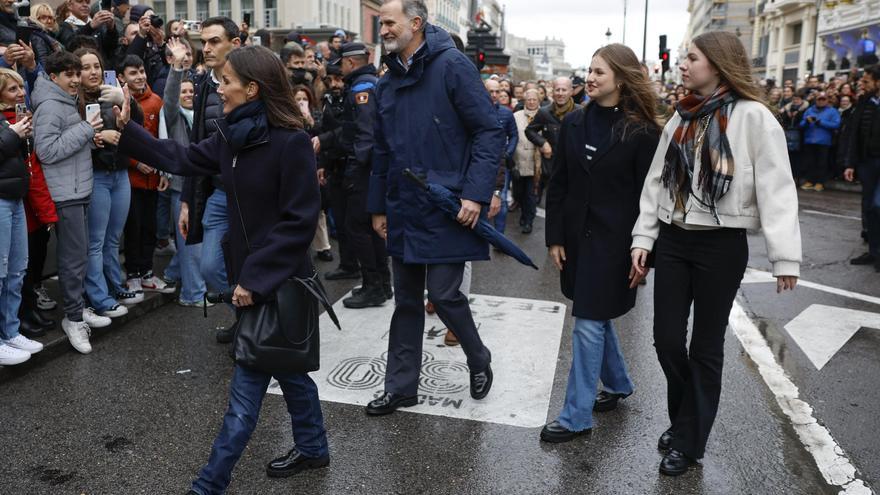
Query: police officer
355	140
332	168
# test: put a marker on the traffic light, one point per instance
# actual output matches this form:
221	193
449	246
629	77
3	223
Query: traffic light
664	60
662	45
481	59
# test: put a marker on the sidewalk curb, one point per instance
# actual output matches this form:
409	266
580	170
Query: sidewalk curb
57	343
839	185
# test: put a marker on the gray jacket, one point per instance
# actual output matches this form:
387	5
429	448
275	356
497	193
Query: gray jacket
176	125
63	142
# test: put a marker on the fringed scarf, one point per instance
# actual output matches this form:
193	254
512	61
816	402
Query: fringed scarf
703	126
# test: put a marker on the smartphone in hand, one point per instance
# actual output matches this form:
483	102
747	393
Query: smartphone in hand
21	111
110	78
92	110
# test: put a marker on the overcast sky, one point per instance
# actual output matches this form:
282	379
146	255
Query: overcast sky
582	24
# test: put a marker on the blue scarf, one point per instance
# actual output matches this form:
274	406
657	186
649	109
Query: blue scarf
247	125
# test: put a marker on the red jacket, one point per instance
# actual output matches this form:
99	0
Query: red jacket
39	208
151	104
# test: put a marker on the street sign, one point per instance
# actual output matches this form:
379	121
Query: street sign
820	331
523	335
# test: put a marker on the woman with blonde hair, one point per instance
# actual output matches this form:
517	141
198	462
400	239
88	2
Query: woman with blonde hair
15	129
721	168
44	16
602	156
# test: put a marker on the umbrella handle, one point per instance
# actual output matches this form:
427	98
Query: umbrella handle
415	178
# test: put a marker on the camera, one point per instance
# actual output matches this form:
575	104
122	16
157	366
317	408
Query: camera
156	21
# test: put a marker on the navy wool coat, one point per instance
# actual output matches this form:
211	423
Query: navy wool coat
437	120
592	205
277	188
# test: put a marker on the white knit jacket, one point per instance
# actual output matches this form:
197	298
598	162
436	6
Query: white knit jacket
762	194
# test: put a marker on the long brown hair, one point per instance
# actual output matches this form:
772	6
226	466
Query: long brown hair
259	65
637	96
728	56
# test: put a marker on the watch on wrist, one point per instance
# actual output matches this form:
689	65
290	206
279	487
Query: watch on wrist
496	193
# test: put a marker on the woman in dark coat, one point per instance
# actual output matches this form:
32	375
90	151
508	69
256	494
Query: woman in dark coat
604	152
267	163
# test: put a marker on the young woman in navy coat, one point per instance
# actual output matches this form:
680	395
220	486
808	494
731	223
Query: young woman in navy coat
267	161
605	150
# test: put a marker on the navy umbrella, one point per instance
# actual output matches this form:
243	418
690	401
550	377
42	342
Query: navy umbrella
449	203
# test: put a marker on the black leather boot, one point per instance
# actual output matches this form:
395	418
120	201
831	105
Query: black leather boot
371	294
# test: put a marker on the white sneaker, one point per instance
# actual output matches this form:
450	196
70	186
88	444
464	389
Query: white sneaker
10	356
44	302
130	298
134	285
169	250
25	344
115	312
94	320
78	333
152	283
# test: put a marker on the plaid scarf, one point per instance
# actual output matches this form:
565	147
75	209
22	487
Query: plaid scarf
703	125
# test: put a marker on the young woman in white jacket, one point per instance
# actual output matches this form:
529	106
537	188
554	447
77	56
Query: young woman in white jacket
721	167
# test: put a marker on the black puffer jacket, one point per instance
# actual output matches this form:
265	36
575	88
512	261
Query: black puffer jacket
14	176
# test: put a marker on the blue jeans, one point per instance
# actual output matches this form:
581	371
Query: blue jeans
595	354
163	215
13	263
185	264
500	220
215	223
108	212
246	394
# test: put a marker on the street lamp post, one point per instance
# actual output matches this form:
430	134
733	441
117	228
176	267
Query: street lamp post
608	36
624	22
645	33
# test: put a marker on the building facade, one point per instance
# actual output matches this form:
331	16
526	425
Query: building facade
522	66
784	39
848	34
345	14
548	57
720	15
450	15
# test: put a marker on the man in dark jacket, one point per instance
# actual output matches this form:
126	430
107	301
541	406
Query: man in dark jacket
434	118
505	120
863	156
354	138
203	201
149	45
544	129
102	27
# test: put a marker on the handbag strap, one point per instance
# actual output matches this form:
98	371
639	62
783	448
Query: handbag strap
312	284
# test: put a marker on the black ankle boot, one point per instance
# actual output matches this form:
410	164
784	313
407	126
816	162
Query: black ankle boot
371	294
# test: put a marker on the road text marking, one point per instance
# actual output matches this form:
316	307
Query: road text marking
523	335
820	331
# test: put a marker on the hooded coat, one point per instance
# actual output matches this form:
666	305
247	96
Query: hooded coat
436	119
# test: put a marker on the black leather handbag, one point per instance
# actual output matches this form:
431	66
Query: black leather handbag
280	333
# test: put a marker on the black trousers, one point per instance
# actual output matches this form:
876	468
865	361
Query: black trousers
368	247
704	268
816	164
140	232
338	203
38	246
869	175
408	323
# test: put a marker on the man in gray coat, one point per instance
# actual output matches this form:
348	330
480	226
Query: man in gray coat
63	143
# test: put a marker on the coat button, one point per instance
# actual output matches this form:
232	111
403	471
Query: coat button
589	232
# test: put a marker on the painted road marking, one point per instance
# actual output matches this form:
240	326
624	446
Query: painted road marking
820	331
834	215
753	276
830	458
523	335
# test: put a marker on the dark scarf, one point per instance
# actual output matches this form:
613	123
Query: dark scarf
704	125
247	125
9	20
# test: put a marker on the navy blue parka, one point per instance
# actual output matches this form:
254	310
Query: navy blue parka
436	119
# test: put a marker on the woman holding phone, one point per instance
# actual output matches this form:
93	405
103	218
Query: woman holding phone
267	163
14	181
111	193
721	168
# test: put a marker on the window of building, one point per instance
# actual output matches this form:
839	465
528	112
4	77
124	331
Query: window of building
796	31
181	10
247	7
225	9
160	9
202	8
271	13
